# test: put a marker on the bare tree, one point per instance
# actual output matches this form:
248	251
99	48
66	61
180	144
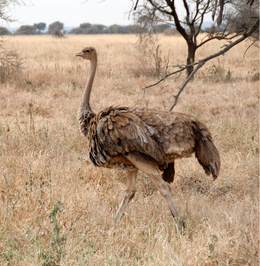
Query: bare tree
10	61
151	12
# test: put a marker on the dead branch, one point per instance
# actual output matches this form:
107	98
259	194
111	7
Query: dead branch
200	64
166	76
249	48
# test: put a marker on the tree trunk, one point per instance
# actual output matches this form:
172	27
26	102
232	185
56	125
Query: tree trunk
191	56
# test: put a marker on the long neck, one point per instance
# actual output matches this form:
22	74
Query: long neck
88	87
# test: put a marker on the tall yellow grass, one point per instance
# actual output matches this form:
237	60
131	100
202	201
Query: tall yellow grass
56	207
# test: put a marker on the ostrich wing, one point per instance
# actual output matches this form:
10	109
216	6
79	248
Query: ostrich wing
175	131
120	131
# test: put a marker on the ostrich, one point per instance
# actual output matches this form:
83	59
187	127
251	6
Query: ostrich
143	139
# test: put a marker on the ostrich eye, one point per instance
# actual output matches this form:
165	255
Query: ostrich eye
87	51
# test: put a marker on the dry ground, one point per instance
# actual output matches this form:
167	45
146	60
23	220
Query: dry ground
56	207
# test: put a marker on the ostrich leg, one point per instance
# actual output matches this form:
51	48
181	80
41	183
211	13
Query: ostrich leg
163	187
128	193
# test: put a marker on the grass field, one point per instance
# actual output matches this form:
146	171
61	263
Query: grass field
57	208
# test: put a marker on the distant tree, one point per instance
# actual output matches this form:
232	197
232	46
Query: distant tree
92	30
81	29
161	27
100	27
26	30
4	31
85	25
40	26
95	29
87	28
128	29
77	31
117	29
55	27
114	29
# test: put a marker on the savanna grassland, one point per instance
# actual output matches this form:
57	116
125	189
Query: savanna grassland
57	208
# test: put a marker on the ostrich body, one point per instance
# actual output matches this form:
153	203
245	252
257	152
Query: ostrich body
143	139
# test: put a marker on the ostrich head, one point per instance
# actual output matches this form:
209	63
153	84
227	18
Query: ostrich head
88	53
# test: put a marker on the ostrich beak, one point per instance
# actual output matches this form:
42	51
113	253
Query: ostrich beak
79	54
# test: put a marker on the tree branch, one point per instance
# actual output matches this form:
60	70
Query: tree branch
200	64
197	12
166	76
187	12
202	16
217	37
214	10
178	25
136	5
159	8
249	47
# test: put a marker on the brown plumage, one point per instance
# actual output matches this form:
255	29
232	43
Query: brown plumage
143	139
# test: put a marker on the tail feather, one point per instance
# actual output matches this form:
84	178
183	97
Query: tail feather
206	152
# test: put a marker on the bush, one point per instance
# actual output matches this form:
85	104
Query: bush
216	73
10	65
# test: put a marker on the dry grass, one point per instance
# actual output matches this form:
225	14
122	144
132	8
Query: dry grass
56	207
